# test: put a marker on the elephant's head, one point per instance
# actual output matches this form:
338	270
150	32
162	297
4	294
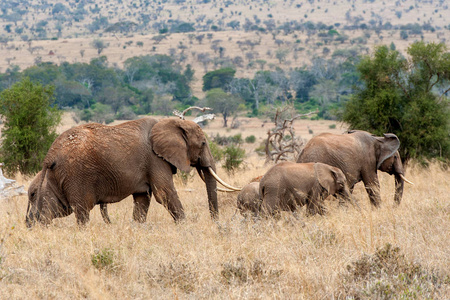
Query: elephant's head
183	144
389	161
332	179
248	200
44	203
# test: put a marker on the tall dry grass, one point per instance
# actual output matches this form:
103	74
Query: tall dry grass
290	258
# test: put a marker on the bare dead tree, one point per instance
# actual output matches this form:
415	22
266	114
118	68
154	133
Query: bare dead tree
281	143
198	119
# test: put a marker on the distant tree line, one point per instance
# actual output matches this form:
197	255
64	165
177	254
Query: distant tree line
102	93
323	86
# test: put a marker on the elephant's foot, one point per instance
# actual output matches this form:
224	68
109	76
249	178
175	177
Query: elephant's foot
104	212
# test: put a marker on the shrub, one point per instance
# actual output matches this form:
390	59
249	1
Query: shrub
30	121
241	272
234	156
387	274
332	126
228	140
216	151
176	275
261	149
250	139
103	259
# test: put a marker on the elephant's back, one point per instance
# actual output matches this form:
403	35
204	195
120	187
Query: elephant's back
329	148
91	142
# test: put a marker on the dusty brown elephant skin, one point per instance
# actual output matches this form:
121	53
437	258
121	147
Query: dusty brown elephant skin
32	194
288	185
248	200
359	155
97	164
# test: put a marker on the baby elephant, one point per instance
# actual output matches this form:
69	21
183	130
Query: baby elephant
289	185
248	200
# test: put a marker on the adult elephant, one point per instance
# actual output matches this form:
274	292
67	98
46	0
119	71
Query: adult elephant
289	185
97	164
359	155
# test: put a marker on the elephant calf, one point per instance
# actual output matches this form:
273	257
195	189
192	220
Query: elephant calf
248	200
289	185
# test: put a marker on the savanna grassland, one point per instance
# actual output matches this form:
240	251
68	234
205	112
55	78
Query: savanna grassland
386	253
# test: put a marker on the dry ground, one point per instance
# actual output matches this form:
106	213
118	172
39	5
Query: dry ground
290	258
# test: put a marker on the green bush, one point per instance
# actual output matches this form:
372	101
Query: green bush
216	151
234	156
30	121
228	140
332	126
103	259
261	149
250	139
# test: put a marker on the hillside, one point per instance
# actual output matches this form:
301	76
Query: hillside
247	35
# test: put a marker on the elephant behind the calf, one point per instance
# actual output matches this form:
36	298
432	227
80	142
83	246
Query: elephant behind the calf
359	155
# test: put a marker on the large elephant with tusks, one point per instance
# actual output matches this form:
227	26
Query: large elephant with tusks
97	164
359	155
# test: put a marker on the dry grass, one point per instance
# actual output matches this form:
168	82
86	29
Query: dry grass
289	258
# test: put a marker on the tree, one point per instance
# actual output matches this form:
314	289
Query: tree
99	45
218	78
408	97
30	120
223	103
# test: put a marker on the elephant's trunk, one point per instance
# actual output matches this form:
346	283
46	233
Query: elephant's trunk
211	189
32	218
399	183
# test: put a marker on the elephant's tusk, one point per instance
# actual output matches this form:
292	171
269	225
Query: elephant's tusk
226	190
218	188
221	181
404	178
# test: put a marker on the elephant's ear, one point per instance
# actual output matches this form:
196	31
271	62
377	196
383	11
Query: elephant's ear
326	177
169	141
389	145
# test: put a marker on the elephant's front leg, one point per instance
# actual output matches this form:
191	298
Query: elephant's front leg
82	210
141	205
315	201
167	196
373	190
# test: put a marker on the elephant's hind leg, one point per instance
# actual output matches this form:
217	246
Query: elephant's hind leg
104	212
141	205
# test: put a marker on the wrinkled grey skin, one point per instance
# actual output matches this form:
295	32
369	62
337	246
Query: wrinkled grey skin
288	185
359	155
248	200
33	189
97	164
